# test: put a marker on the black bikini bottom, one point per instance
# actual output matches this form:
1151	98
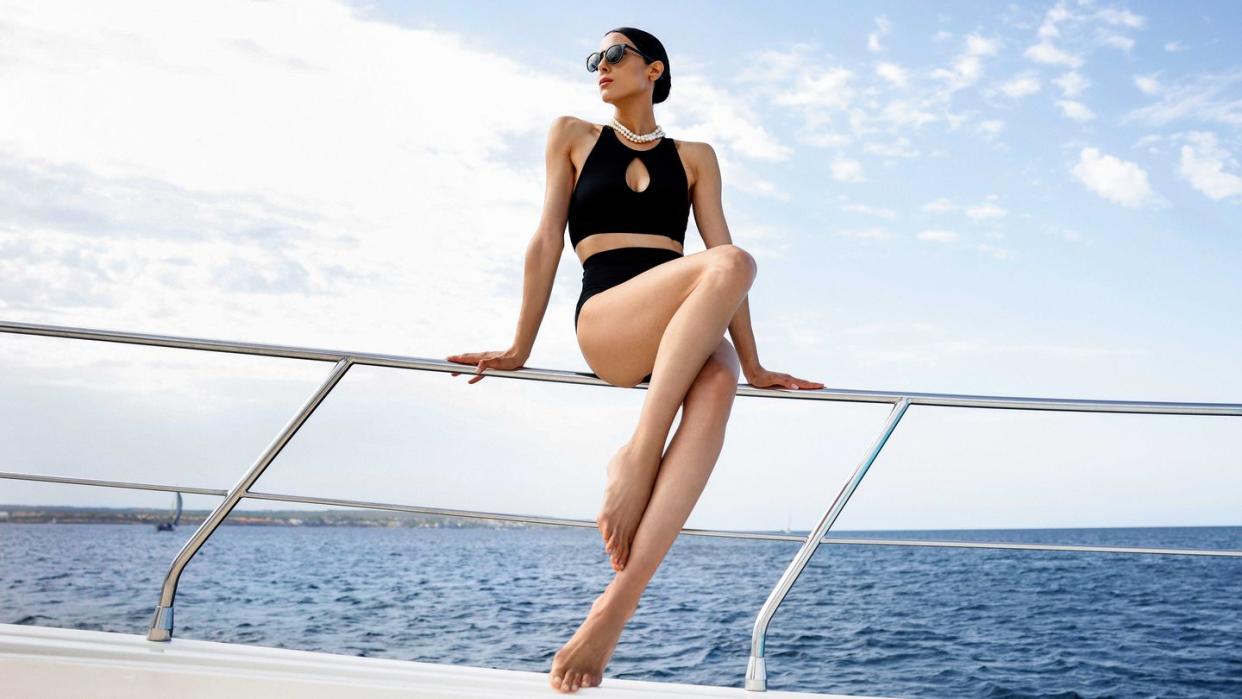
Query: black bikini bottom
608	268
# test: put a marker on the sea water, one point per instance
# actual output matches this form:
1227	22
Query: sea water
868	620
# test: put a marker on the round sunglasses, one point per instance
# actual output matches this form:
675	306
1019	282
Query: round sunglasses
613	54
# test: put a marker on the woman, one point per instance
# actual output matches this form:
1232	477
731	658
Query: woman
647	312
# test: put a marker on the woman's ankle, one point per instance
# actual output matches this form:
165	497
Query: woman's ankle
614	604
646	454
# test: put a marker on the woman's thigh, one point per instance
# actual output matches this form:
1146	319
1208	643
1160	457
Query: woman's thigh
620	328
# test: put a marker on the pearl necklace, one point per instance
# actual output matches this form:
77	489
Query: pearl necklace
637	138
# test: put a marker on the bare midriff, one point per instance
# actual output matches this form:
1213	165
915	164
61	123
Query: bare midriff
599	242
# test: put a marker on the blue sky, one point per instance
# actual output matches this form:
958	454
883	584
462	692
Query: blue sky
1035	199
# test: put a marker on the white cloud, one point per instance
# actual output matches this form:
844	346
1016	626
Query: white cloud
1021	86
1205	97
1075	110
892	72
939	236
1148	84
763	64
820	89
1174	46
898	148
847	170
981	46
1112	178
1203	163
985	212
882	28
1149	142
1072	83
942	35
1064	25
1055	15
1123	17
967	66
1045	52
991	128
939	206
722	119
905	112
1115	40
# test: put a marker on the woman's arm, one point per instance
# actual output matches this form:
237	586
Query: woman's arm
543	253
709	217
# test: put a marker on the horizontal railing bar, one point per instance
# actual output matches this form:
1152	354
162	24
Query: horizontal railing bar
561	376
566	522
559	521
1081	548
114	484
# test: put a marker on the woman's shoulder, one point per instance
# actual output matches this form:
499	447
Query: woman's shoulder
568	123
699	156
567	132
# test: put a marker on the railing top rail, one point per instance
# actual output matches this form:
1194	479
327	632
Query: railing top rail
561	376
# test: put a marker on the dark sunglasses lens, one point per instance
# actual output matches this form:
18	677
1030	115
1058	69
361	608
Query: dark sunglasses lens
615	53
593	62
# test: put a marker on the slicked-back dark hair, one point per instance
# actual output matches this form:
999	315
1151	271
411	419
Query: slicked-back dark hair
651	46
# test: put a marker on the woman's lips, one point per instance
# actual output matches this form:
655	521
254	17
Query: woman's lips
605	82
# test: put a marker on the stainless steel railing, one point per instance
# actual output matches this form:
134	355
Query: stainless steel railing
161	627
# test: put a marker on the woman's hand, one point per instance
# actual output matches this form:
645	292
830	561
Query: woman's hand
762	378
503	359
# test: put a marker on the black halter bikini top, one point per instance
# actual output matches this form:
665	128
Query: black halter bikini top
602	202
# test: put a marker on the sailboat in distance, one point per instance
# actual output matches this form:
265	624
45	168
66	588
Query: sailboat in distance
169	526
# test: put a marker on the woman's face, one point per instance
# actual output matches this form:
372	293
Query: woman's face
632	75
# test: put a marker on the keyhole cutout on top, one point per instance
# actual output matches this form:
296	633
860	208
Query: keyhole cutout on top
637	178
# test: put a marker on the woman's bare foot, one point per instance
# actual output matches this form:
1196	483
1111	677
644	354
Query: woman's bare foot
630	480
581	661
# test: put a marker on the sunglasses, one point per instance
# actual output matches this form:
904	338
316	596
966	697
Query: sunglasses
613	54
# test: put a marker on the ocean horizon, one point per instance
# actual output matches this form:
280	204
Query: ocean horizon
866	620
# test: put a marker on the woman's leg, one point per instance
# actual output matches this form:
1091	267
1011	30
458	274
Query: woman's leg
666	321
682	476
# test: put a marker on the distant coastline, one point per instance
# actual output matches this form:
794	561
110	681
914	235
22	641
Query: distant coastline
386	519
40	514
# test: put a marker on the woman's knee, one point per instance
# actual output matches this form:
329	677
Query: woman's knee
735	262
713	390
720	372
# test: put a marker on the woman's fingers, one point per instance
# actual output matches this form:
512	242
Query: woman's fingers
805	383
789	381
478	374
468	358
482	361
795	382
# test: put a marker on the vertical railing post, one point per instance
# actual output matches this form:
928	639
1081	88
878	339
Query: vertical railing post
162	622
756	668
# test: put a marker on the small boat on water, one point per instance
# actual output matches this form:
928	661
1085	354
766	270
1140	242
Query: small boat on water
176	519
57	662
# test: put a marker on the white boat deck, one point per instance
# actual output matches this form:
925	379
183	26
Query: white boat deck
37	661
